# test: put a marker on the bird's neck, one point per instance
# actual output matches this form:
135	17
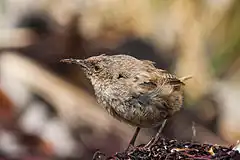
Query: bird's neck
99	86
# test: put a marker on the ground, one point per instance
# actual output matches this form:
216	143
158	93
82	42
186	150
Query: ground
174	150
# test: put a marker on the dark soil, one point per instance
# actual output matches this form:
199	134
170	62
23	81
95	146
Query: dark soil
174	150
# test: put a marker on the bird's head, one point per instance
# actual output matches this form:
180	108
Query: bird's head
92	67
105	68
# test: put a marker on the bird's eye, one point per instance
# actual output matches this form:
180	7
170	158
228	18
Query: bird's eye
96	68
120	76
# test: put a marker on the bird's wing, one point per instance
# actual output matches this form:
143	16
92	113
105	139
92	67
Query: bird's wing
160	83
147	91
153	89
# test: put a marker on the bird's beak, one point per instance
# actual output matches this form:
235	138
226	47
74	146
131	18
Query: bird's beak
80	62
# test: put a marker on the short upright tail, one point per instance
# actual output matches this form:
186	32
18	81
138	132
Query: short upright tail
184	79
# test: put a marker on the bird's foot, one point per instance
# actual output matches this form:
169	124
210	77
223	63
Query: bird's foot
150	143
129	148
131	143
155	139
98	156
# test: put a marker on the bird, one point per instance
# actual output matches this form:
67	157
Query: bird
133	91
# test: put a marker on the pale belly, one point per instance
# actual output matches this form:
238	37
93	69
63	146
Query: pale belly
144	115
141	116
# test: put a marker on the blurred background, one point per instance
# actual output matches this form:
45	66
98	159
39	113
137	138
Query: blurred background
48	109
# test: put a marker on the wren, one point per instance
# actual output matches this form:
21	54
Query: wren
133	91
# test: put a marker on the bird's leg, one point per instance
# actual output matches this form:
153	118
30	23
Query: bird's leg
156	138
131	143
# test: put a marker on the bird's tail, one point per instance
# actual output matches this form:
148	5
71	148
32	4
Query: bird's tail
185	78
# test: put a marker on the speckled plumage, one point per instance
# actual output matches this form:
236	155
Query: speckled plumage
133	90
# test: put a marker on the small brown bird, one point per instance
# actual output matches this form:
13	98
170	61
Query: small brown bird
133	90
